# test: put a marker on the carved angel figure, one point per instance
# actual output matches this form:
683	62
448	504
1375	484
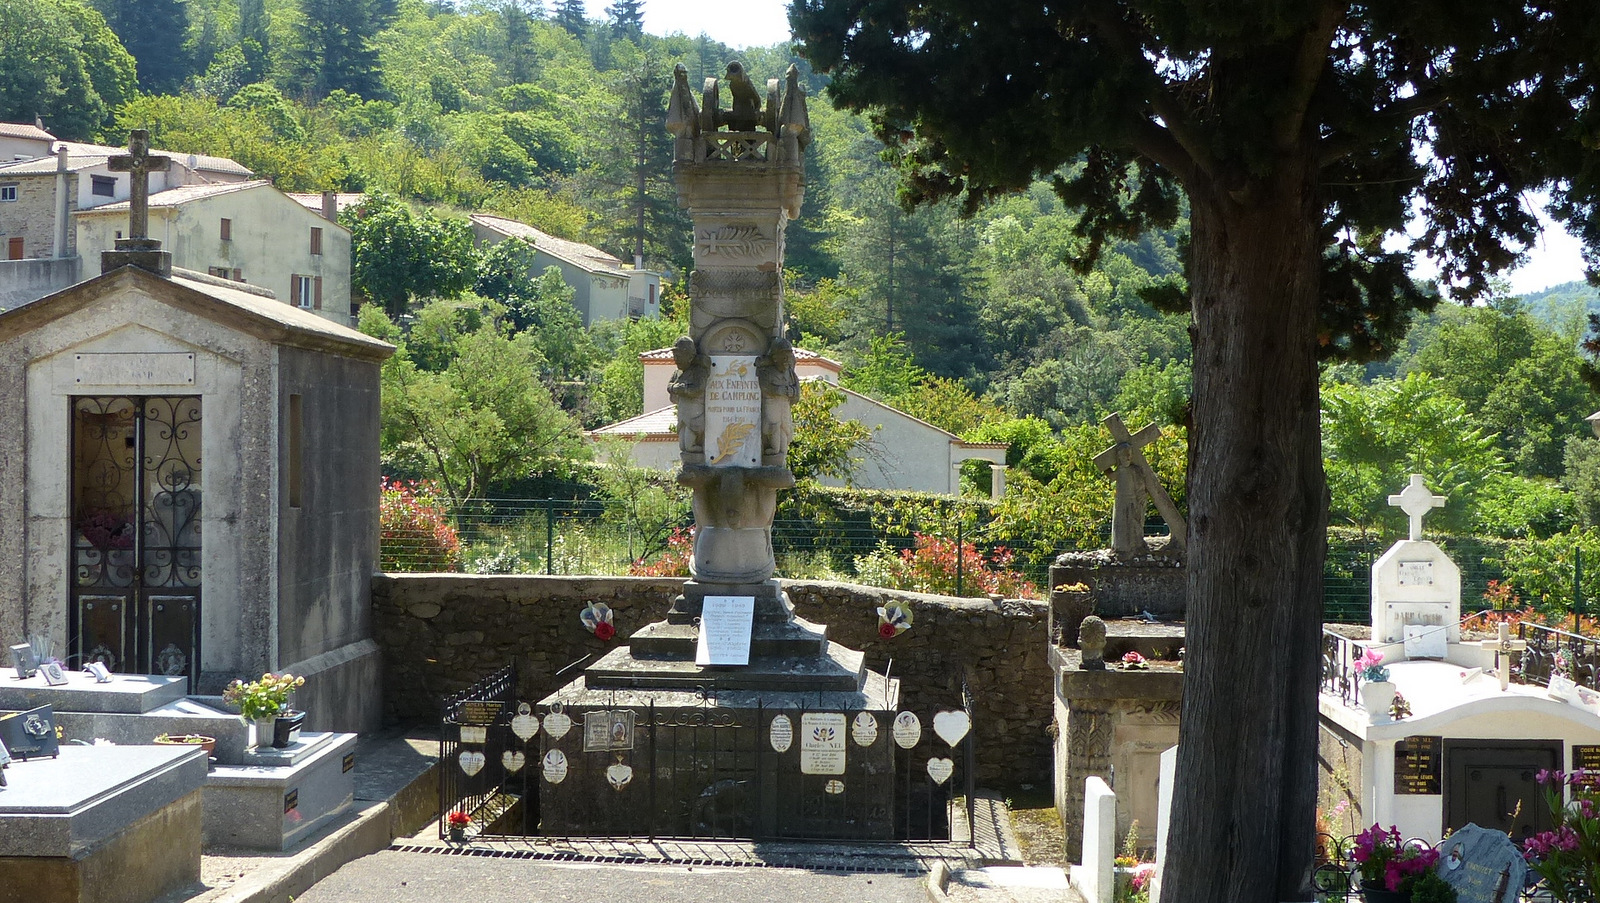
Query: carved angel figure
780	386
688	389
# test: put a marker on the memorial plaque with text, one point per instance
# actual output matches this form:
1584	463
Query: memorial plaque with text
733	412
1587	759
133	370
1417	762
822	743
725	625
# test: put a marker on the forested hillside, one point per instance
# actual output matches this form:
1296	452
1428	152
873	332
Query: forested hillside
978	324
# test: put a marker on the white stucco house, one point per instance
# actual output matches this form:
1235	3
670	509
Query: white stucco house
243	232
604	288
910	454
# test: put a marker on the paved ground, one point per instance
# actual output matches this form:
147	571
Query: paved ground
398	877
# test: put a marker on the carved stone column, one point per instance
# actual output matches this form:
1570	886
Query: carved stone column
740	173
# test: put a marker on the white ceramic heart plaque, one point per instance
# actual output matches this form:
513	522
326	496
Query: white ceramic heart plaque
951	726
907	729
940	769
555	766
472	761
864	729
513	761
619	775
525	724
834	786
556	724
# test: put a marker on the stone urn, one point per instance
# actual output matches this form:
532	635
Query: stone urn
1376	697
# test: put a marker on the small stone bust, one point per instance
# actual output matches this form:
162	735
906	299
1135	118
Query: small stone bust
1092	642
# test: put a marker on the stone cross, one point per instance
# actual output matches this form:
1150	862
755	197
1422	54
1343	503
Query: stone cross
139	164
1137	487
1415	500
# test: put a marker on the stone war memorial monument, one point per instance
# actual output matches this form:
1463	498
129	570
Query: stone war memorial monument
747	708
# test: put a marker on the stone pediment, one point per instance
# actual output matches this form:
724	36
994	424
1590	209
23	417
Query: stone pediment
256	315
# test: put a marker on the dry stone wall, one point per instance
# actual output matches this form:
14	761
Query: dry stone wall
442	632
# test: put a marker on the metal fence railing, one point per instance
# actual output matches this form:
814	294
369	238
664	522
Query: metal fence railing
591	536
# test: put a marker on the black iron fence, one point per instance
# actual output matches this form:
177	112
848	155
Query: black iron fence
1551	652
769	772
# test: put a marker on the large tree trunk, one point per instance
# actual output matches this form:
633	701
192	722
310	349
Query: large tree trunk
1245	795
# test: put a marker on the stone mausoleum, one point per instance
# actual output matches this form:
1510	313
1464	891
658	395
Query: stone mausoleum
189	484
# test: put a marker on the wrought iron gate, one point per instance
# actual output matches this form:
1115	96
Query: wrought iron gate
136	534
698	772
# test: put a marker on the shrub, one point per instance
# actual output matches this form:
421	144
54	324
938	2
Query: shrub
933	566
414	532
674	562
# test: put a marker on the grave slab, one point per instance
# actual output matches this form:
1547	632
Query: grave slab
108	824
273	807
132	694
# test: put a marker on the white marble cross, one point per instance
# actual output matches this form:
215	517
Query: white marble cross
1415	500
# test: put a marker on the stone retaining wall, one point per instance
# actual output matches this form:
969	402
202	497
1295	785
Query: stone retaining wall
442	632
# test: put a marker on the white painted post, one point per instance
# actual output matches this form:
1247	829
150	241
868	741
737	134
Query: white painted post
997	481
1094	876
1169	771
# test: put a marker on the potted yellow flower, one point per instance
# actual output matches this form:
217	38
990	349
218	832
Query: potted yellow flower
263	703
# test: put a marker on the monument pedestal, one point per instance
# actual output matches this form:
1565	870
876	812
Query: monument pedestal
103	824
289	795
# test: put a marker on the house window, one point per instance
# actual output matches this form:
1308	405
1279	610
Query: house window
227	229
652	294
302	291
8	192
316	240
14	249
103	186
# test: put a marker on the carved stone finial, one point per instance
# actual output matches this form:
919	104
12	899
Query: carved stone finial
1092	643
795	121
746	112
683	114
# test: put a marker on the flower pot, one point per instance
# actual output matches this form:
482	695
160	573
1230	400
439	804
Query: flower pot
261	731
1377	893
458	835
1376	697
286	729
209	744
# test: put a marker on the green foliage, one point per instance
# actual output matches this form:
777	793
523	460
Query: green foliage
60	61
1540	571
886	371
1520	379
1581	477
1373	435
397	255
481	416
147	29
823	446
646	504
336	50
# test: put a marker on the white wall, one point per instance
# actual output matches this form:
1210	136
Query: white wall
271	241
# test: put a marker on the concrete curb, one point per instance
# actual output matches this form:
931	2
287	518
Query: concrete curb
281	882
938	882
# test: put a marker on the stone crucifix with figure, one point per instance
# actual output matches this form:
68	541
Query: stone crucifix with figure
1137	487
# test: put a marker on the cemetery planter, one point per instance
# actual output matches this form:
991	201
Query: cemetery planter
458	835
1376	697
209	744
286	728
1376	893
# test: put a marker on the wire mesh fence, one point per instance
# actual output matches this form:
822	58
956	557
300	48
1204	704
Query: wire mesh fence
607	537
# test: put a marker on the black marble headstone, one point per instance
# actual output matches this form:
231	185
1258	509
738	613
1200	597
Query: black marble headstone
1483	865
30	734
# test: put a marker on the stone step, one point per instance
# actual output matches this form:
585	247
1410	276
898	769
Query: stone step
839	669
797	638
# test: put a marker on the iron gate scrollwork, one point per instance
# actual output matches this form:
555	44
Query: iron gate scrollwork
698	772
136	573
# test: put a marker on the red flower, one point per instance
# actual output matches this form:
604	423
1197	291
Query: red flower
886	630
459	819
604	631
